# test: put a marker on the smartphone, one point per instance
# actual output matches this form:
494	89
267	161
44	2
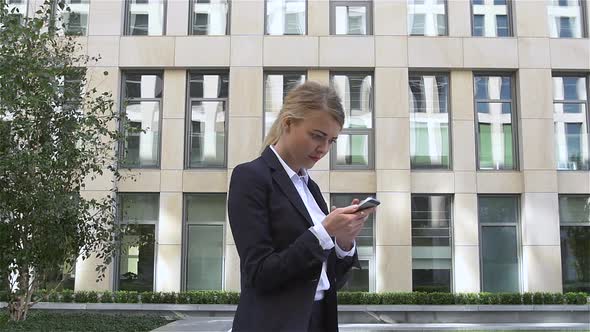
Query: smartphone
368	202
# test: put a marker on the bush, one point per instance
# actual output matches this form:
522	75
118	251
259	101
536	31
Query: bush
126	297
442	298
67	296
509	298
398	298
467	298
86	297
527	298
3	296
421	298
106	297
538	298
576	298
489	298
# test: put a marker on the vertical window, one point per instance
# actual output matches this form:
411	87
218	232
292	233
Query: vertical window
145	17
74	20
139	213
431	243
565	18
353	150
429	121
286	17
205	217
276	87
498	225
20	8
574	219
351	17
495	116
209	17
491	18
206	121
570	101
362	280
142	99
427	17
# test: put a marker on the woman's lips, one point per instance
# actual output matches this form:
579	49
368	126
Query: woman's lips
314	158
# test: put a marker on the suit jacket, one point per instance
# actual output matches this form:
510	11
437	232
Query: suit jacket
280	259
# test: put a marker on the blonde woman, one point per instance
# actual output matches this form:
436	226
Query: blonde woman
294	253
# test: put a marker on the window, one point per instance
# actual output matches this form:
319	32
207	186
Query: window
276	87
351	17
145	17
565	18
206	121
286	17
499	244
142	99
427	17
570	116
20	8
429	121
209	17
491	18
431	243
136	262
74	20
362	280
574	218
495	129
205	217
353	150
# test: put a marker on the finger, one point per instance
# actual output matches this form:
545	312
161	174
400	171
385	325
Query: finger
333	208
349	209
355	201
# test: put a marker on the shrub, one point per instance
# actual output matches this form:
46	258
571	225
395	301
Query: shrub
106	297
86	297
442	298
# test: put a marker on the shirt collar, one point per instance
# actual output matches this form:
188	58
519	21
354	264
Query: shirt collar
290	172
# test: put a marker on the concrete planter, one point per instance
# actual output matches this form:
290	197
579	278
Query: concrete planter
369	314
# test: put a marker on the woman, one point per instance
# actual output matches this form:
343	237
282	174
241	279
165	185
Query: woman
294	253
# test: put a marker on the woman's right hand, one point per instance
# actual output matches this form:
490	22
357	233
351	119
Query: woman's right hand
344	222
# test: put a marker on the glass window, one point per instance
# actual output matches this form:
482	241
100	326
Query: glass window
20	8
74	20
354	145
362	280
209	17
498	221
205	219
276	88
286	17
565	18
351	17
427	17
570	120
493	103
431	243
139	212
142	98
429	121
490	18
207	119
574	218
145	17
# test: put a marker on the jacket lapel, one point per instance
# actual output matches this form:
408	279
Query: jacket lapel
317	195
286	185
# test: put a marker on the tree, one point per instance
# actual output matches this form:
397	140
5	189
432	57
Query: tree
56	133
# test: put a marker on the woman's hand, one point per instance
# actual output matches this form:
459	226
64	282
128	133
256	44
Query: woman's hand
346	223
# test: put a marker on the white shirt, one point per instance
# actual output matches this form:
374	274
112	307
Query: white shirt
317	216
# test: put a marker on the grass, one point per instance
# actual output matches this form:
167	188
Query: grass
86	322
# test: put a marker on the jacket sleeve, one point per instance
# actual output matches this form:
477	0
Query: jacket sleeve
343	268
263	268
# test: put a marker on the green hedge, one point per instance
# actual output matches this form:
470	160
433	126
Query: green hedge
220	297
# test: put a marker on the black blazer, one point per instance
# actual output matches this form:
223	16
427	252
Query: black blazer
280	259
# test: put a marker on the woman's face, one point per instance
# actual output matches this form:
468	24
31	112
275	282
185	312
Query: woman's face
307	141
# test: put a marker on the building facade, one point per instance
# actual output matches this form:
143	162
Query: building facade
468	120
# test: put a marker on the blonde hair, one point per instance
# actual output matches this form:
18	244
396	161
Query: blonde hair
300	102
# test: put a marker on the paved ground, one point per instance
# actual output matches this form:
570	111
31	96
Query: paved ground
221	324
